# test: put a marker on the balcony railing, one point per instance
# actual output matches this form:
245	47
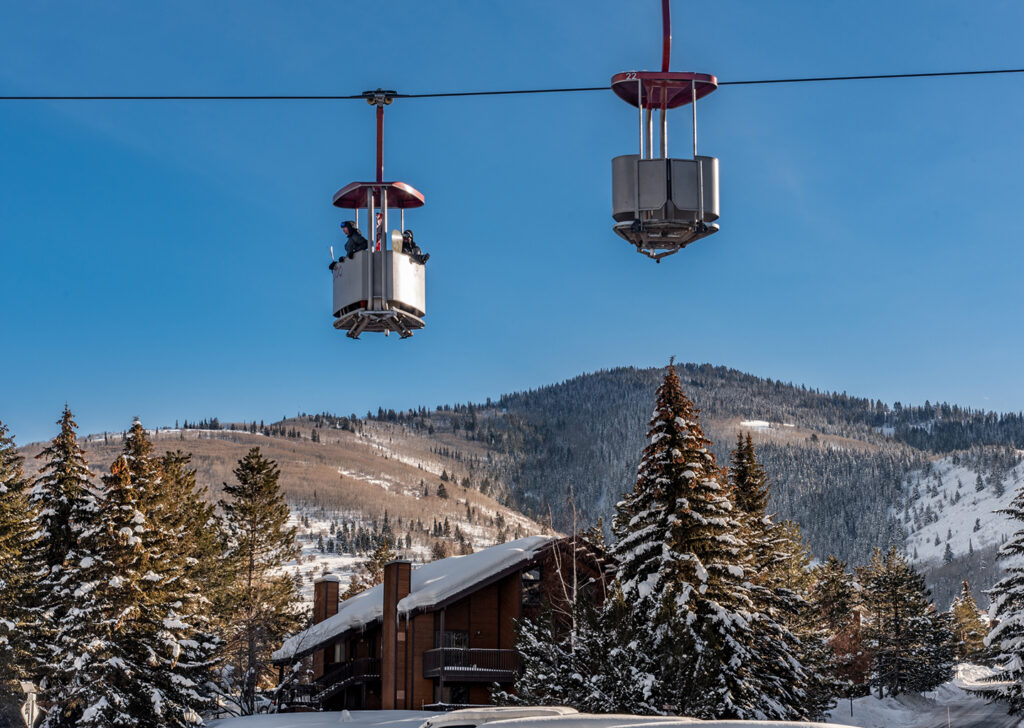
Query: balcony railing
471	665
353	672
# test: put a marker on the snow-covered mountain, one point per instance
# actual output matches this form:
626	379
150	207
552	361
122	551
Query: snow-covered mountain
952	504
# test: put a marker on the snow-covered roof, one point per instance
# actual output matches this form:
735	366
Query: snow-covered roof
359	611
431	585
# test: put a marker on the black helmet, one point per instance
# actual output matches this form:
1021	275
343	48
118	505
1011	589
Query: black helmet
407	234
350	224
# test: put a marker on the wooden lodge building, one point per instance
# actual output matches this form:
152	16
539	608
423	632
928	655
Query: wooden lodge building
440	635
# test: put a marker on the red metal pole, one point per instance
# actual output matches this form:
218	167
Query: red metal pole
380	142
666	36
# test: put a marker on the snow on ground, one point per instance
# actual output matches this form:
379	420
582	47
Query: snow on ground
432	467
313	563
917	711
764	424
381	482
955	518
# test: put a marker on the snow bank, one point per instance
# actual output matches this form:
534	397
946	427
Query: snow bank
430	584
874	712
972	677
922	711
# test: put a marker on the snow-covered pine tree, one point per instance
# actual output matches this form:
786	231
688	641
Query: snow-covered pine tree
129	646
681	565
788	646
968	628
553	672
62	493
260	602
65	504
17	546
912	644
172	628
1006	639
592	664
98	676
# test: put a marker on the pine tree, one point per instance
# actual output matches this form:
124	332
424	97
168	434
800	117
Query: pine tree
681	566
834	600
788	647
65	503
371	572
18	545
148	659
173	624
968	628
62	493
260	603
1006	639
97	678
438	551
912	643
595	665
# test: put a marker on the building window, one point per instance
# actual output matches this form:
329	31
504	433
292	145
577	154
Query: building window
532	588
339	651
452	638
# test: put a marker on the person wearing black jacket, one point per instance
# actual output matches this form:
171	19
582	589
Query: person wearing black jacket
355	242
410	248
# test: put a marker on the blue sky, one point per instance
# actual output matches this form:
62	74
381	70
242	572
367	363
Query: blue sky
168	260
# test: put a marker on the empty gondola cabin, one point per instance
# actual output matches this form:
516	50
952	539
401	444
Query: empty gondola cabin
441	634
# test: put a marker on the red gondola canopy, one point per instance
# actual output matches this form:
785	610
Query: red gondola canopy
400	195
656	90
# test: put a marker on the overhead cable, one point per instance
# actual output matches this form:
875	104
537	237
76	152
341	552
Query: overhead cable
454	94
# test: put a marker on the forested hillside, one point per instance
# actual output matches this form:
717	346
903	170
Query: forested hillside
347	484
842	466
854	473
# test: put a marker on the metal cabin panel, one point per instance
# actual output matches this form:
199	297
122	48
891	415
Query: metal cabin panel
653	184
406	283
685	194
350	278
624	187
653	188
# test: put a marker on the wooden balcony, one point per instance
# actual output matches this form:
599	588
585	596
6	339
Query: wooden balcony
465	665
353	672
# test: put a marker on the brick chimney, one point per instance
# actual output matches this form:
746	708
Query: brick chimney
394	648
325	597
325	604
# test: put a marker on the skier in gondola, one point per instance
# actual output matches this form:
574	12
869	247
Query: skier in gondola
354	244
410	248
